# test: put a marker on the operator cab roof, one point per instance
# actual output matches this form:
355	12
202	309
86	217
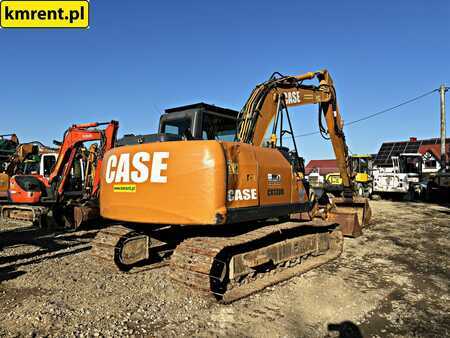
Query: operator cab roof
204	106
224	118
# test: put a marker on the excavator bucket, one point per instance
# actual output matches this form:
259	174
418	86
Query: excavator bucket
84	213
352	214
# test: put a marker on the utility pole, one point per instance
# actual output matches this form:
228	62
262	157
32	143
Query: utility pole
442	91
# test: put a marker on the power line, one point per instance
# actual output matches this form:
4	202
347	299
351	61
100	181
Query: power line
377	113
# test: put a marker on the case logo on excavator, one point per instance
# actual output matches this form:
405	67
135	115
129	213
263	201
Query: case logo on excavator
292	97
135	168
241	195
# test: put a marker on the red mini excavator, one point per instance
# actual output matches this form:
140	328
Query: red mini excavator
71	198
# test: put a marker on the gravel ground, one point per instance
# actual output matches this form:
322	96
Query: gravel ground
392	281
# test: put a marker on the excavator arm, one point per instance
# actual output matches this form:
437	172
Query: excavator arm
280	92
73	137
268	98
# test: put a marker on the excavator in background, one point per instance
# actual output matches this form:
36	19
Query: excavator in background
361	165
231	216
29	158
67	192
8	145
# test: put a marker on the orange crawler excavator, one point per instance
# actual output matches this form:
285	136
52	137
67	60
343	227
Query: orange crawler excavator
232	217
71	198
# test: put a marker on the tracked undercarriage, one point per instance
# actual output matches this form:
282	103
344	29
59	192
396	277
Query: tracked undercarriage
229	267
25	215
69	216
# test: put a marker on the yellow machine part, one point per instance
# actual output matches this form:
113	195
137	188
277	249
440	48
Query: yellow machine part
164	182
4	185
197	182
334	178
362	178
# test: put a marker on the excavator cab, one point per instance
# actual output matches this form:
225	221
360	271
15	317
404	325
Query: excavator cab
362	166
199	121
8	145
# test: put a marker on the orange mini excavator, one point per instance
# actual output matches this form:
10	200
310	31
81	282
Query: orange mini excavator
232	216
64	191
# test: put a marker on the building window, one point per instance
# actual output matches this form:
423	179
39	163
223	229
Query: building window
430	164
429	161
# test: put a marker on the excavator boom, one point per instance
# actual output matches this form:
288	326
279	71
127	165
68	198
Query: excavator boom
266	100
78	134
280	92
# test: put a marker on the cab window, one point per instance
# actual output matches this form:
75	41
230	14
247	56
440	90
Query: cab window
49	163
217	127
180	127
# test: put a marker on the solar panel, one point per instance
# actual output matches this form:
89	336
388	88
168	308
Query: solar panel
387	150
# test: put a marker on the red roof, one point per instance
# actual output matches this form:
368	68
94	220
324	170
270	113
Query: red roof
390	149
324	166
435	149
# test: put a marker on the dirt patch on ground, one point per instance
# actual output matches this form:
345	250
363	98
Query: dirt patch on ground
392	281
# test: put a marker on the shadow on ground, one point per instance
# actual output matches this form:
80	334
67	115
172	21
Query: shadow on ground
47	244
346	329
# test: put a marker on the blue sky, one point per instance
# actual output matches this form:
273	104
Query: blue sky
140	57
